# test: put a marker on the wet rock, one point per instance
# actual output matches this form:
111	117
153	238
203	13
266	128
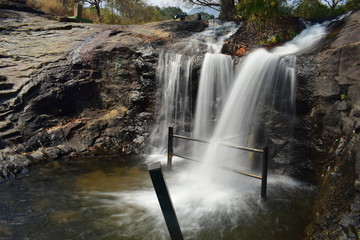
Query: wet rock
52	153
355	112
18	160
64	149
329	95
326	87
107	146
37	156
342	105
347	125
354	94
65	90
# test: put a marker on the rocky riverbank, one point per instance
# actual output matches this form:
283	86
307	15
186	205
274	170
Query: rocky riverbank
72	88
324	150
329	100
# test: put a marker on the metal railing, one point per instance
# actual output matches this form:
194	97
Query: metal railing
264	151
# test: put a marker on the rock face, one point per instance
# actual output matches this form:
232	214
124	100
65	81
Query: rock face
75	88
325	146
328	100
69	88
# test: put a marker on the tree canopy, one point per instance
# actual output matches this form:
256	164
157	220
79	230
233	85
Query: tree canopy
170	12
95	3
137	11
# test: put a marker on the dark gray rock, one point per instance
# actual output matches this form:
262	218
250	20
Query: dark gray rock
333	120
342	105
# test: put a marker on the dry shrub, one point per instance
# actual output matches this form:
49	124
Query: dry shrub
50	6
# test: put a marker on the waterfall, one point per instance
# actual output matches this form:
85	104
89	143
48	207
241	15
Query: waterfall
230	104
210	202
215	78
174	79
262	80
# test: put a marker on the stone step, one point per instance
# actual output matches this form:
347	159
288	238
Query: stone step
10	134
15	139
3	78
3	115
5	126
6	86
6	94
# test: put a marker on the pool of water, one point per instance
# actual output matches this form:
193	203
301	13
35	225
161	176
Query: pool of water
112	198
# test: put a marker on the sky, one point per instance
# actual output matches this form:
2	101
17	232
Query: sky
169	3
190	9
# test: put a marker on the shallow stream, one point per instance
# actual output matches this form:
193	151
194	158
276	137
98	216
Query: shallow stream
114	199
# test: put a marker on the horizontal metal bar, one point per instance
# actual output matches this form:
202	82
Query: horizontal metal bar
191	139
242	148
222	167
221	144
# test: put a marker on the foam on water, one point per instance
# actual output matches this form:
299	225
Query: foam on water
228	110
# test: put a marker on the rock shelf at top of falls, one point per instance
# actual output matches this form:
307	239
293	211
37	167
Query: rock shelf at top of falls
57	85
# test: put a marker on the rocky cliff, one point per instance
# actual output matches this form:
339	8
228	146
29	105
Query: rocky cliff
70	88
325	147
329	107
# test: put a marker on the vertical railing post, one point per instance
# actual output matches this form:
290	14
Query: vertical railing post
264	172
170	148
166	205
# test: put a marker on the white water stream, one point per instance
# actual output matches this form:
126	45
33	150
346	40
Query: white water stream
228	109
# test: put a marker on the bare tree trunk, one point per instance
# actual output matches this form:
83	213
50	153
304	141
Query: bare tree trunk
97	7
227	11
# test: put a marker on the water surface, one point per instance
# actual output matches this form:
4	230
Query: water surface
114	199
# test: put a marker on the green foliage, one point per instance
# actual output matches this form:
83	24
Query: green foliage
316	9
91	14
129	12
171	12
272	39
277	38
262	9
343	96
206	16
352	5
56	7
310	9
292	33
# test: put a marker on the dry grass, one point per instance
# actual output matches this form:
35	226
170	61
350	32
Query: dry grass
50	6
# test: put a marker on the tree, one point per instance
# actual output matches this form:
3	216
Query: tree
95	3
353	5
130	12
310	9
333	3
170	12
206	16
262	10
227	7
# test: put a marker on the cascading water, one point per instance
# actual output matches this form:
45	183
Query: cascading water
174	77
215	79
213	203
263	78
